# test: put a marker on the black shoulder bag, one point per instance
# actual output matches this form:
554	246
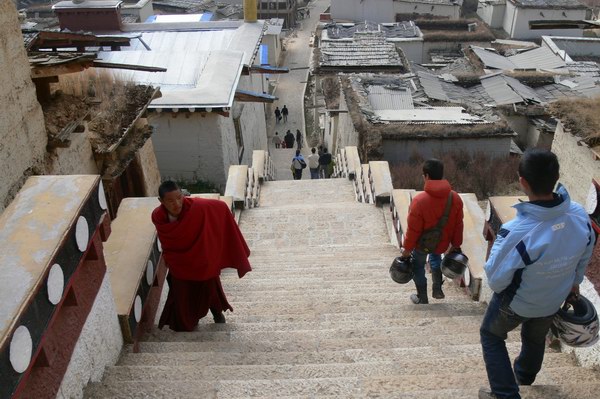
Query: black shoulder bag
430	238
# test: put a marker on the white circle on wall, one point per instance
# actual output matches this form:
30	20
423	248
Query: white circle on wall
159	245
102	196
467	277
56	284
137	308
21	348
592	200
150	272
488	210
82	234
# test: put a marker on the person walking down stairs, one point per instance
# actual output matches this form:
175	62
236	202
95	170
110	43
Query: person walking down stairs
313	164
199	237
299	139
435	224
289	139
284	113
536	263
277	140
298	164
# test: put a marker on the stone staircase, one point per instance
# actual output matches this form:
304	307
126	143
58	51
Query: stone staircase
320	317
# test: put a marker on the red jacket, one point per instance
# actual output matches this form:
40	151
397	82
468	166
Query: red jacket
425	211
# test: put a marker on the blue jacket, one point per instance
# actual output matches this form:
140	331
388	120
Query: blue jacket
540	254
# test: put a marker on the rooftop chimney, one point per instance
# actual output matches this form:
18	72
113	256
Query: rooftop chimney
250	10
89	15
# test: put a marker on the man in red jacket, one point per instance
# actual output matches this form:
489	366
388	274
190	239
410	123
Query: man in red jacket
199	237
426	209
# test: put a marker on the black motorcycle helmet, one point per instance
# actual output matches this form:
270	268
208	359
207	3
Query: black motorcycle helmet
401	270
454	264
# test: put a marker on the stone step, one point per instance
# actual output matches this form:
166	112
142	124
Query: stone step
337	307
406	387
317	192
404	367
438	327
255	292
198	359
253	344
397	312
208	326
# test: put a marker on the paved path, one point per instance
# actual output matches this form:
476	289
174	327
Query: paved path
290	90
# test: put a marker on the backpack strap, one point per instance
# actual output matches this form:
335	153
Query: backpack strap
444	219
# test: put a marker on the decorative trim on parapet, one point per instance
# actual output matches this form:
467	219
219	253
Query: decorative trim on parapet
65	267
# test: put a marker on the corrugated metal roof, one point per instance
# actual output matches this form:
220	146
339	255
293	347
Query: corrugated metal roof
492	60
437	115
386	98
499	90
365	50
245	38
539	58
193	79
432	86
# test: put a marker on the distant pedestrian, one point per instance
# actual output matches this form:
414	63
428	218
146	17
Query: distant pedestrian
320	150
313	164
289	139
324	162
277	115
298	163
308	12
277	140
284	112
298	139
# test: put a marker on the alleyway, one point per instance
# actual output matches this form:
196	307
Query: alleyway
290	90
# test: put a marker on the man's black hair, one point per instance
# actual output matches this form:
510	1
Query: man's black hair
434	169
324	150
166	187
541	170
297	152
313	150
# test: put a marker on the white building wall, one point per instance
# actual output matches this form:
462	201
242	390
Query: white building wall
188	147
578	164
412	48
401	150
363	10
99	345
492	13
77	159
516	21
451	11
274	44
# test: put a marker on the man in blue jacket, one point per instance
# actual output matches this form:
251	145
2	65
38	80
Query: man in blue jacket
537	260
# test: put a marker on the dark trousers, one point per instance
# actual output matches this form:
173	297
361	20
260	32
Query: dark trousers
499	319
420	258
314	173
297	174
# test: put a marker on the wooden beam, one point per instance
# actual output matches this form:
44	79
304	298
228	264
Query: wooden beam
250	97
61	69
563	24
269	69
112	65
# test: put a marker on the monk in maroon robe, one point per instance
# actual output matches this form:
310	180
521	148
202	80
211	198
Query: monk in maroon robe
199	238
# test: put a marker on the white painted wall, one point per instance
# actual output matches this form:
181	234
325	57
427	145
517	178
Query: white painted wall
386	10
99	345
492	13
401	150
451	11
516	21
412	48
22	131
188	148
202	146
77	159
578	165
274	44
366	10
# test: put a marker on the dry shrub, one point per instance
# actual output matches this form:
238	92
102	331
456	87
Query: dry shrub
468	173
580	117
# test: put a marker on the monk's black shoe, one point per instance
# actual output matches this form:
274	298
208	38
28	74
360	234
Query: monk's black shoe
219	318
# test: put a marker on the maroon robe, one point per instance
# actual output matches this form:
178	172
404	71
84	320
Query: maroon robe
202	241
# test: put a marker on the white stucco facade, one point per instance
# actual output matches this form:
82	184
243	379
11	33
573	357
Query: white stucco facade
193	146
492	12
386	10
99	345
516	21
